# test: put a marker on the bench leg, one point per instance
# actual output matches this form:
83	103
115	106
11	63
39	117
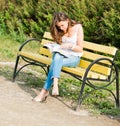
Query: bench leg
15	68
117	92
80	99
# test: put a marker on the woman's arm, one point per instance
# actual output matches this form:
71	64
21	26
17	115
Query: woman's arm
80	39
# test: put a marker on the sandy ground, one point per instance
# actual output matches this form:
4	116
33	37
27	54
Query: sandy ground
17	109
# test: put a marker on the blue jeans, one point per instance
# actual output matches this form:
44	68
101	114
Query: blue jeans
58	61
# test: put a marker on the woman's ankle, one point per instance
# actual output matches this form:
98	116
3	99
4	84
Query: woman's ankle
43	91
55	81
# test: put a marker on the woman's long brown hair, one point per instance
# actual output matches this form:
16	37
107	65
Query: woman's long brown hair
56	33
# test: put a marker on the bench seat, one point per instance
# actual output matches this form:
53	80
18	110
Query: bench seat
76	71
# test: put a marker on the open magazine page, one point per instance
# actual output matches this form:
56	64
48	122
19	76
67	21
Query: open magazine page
54	47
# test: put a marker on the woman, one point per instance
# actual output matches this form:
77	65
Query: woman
69	34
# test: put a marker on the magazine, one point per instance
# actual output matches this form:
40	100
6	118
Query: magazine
54	47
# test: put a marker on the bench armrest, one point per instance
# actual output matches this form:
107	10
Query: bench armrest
27	41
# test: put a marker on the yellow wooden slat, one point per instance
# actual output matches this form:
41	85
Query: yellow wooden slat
47	35
45	41
80	72
45	52
100	48
36	57
94	56
96	67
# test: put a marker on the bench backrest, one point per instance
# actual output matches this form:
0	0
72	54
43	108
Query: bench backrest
91	52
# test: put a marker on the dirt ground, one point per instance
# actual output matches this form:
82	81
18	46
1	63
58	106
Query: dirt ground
17	109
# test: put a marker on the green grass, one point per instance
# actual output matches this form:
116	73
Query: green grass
8	49
101	103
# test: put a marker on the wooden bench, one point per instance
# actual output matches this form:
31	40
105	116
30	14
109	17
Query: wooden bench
96	64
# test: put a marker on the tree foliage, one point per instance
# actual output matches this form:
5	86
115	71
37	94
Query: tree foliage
30	18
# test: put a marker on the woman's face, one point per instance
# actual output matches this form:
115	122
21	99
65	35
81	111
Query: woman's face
63	25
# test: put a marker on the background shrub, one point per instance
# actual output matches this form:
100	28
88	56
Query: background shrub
100	19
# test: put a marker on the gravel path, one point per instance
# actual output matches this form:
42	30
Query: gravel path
17	109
